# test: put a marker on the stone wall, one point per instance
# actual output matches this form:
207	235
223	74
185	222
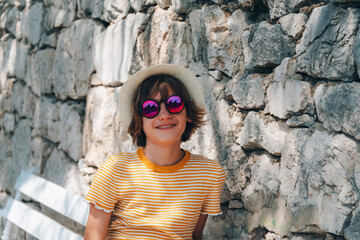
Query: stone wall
281	80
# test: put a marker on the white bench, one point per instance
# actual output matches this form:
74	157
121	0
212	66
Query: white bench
52	196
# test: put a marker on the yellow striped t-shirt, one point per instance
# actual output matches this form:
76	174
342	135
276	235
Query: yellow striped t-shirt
156	202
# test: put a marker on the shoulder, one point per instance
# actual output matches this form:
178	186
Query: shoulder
120	160
206	163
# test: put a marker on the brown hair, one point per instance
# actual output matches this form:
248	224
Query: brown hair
163	84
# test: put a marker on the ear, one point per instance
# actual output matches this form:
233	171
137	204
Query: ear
188	119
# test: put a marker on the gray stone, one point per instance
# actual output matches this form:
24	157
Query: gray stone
294	24
272	236
5	161
247	92
182	6
40	152
5	104
60	170
276	217
288	95
264	183
235	167
139	5
356	52
47	120
164	3
11	21
163	41
23	101
95	80
221	227
71	129
286	70
338	107
20	156
8	122
266	45
352	232
291	97
39	77
304	120
216	75
48	40
315	177
322	52
59	13
234	204
237	216
103	135
31	25
85	169
20	67
74	59
113	51
106	10
247	5
9	57
216	37
279	8
19	3
262	132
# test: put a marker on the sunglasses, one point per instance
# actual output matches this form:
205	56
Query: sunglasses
150	108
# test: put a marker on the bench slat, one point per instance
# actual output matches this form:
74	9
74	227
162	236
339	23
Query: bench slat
45	228
53	196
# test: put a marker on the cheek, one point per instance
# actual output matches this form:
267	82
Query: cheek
145	125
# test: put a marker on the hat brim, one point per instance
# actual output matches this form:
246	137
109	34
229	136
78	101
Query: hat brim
184	75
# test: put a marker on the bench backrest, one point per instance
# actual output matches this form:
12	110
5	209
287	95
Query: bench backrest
53	197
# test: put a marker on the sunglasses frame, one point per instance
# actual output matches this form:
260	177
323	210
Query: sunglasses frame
159	104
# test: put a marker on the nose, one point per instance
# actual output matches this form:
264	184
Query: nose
164	114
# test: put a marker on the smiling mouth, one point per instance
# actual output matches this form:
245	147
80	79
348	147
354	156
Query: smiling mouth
166	126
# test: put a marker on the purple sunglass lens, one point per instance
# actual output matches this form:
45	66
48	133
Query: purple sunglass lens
175	104
150	109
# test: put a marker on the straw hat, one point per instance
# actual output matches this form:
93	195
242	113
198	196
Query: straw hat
127	91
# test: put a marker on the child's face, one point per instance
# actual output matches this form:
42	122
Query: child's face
165	129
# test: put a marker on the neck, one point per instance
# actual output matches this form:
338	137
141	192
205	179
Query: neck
163	155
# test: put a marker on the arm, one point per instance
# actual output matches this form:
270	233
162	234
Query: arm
199	227
97	224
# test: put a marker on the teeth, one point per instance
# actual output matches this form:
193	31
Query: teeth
166	126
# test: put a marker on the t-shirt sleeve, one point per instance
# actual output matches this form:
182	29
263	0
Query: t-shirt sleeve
211	204
103	191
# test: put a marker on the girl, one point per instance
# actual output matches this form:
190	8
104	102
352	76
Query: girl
159	191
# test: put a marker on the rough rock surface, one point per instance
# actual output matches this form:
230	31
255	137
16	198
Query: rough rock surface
326	48
353	231
71	129
338	107
39	77
31	25
113	51
46	119
102	130
248	93
260	132
59	13
74	59
163	41
318	180
294	24
61	170
106	10
266	45
279	8
219	33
